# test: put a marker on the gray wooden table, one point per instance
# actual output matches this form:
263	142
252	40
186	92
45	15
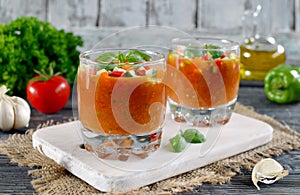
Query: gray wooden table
14	179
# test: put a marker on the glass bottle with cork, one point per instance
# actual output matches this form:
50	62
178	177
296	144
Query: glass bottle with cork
259	52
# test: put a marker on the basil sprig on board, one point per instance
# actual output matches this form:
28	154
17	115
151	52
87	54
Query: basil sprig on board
179	142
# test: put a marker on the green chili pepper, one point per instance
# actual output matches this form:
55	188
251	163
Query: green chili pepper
282	84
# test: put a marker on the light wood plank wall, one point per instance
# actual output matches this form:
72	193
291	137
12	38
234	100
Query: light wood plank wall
203	15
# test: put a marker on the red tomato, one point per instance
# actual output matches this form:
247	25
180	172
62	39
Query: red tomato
116	74
48	96
218	62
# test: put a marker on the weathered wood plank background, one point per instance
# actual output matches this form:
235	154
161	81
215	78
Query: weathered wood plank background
211	15
94	20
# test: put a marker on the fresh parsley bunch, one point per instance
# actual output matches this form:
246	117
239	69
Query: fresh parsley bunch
28	44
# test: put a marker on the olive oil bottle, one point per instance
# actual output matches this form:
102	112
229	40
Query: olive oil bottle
259	52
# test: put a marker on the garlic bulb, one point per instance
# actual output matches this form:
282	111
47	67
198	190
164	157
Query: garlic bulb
267	171
15	111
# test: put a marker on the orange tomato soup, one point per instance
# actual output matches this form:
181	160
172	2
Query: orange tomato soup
199	83
120	105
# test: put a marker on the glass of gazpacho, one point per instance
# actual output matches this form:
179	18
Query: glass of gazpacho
121	101
203	80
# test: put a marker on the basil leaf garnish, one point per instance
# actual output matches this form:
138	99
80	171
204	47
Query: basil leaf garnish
121	57
193	136
213	53
193	51
178	143
137	56
110	60
106	57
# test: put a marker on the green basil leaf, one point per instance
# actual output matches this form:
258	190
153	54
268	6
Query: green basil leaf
137	56
112	60
178	143
110	67
121	57
106	57
214	53
132	59
127	74
192	52
193	136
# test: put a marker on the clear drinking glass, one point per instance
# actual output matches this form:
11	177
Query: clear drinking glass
203	80
121	105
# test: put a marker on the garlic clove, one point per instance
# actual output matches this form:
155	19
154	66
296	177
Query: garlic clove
22	112
267	171
15	111
6	114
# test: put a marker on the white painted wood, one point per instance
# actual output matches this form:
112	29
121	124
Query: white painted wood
218	15
174	13
277	14
282	15
297	15
61	143
264	18
212	15
12	9
162	36
123	13
73	13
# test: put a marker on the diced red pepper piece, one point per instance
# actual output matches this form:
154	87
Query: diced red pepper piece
153	137
218	62
116	74
147	67
222	56
205	57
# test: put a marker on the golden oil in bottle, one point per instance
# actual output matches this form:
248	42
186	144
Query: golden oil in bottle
259	52
258	56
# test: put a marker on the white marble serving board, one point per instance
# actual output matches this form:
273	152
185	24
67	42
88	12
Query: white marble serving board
62	144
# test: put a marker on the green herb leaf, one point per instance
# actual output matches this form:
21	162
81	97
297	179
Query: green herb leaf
214	51
110	67
28	44
130	57
109	60
192	52
112	60
137	56
106	57
127	74
178	143
121	57
193	136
